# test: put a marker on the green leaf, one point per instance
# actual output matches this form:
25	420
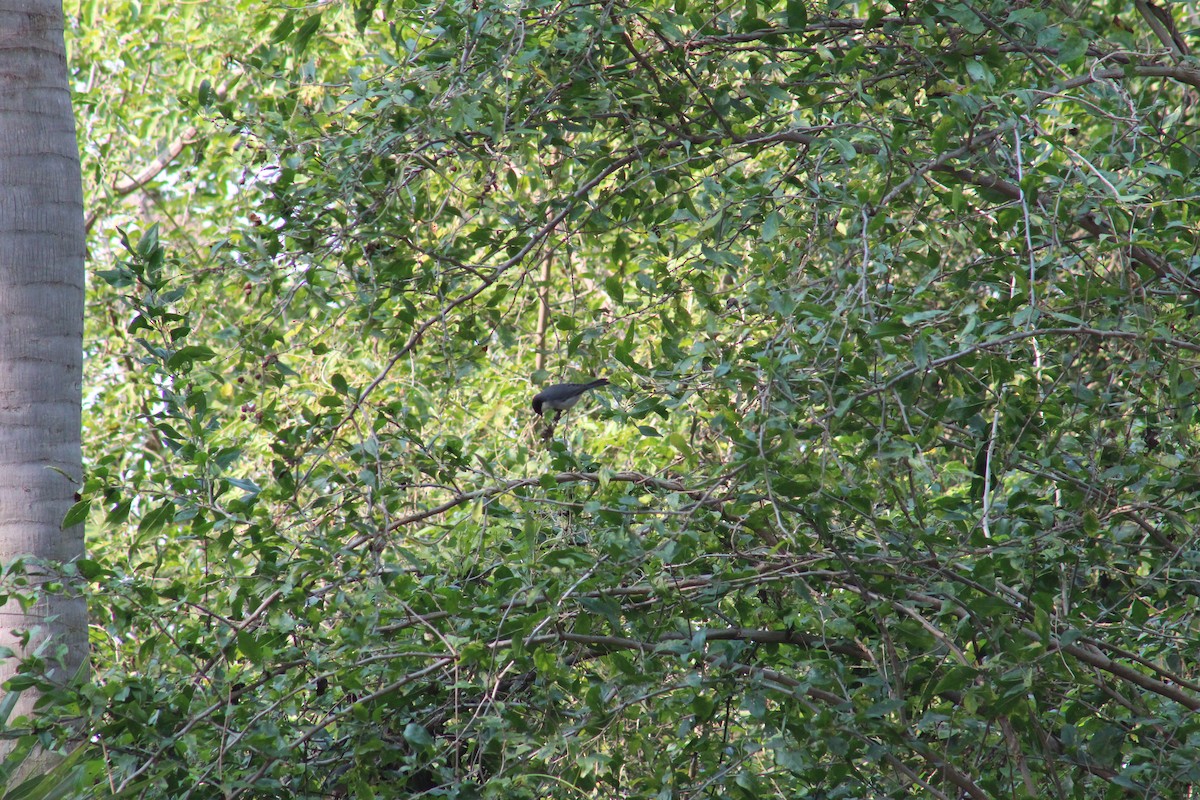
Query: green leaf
418	736
249	646
797	13
90	569
615	287
77	514
888	329
186	355
770	228
156	517
844	148
245	485
956	679
148	244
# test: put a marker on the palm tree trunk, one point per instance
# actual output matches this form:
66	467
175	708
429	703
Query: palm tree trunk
41	341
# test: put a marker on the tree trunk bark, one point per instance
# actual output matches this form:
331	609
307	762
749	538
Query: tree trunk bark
41	346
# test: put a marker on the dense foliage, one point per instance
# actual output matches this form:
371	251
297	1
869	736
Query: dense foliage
893	490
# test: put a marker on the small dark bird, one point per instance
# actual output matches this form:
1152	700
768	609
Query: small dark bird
562	396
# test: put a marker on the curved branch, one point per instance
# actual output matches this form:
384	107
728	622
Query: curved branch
161	161
1128	674
794	687
701	496
1004	340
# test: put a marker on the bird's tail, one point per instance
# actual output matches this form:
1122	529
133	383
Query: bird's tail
598	382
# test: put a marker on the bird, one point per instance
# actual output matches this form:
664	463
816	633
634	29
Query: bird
562	396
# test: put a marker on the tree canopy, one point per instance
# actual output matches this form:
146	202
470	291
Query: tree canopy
893	490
